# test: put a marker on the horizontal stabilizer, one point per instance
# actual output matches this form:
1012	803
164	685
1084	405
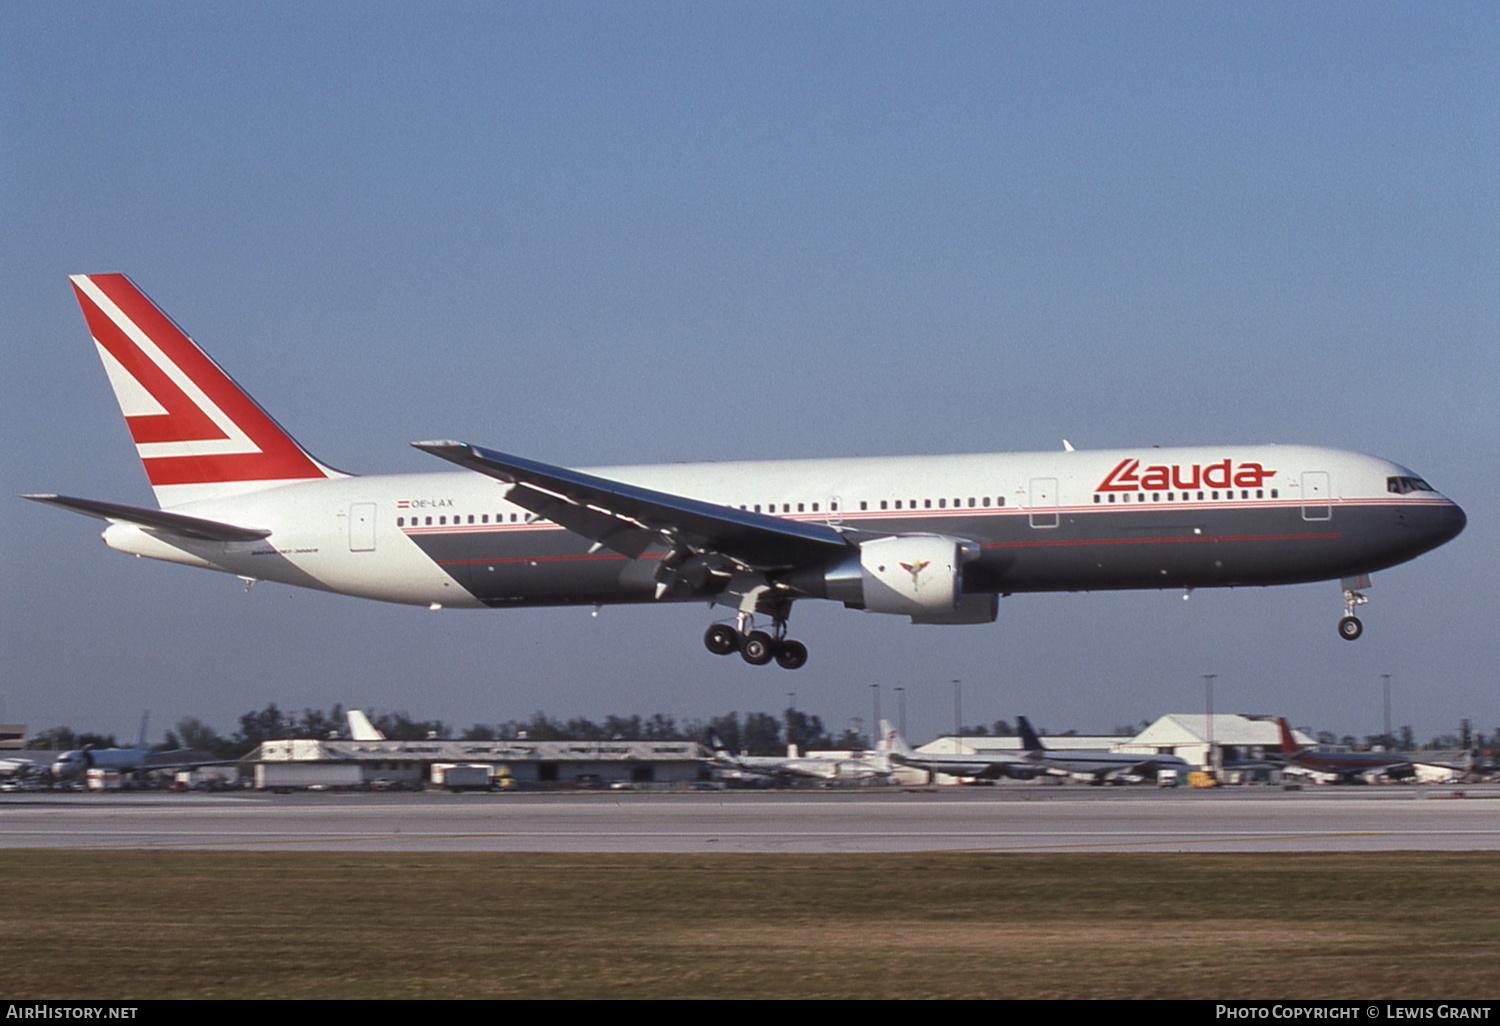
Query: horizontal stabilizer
157	520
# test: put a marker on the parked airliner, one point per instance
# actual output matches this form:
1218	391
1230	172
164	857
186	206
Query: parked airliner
1098	763
990	765
1343	767
857	768
73	766
935	538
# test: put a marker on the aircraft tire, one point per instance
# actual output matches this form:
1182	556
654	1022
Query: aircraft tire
757	648
791	655
1350	628
721	639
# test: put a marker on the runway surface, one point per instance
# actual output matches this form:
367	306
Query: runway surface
1001	819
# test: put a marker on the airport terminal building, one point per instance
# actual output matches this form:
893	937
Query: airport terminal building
518	763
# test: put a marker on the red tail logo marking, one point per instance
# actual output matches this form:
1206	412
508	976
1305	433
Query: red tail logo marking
191	423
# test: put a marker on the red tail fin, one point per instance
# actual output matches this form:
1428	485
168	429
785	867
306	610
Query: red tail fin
198	434
1288	745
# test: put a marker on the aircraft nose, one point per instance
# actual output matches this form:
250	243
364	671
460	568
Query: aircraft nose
1456	521
1437	524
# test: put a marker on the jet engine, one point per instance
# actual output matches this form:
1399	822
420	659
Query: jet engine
920	576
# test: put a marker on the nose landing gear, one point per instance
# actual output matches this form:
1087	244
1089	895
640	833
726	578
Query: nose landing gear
754	646
1351	627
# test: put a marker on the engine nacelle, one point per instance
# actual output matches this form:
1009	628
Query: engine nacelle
920	576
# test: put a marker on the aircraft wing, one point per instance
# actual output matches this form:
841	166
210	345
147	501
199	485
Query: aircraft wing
183	758
155	519
989	765
628	518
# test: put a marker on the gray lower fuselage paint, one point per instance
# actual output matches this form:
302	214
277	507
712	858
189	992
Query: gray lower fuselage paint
1145	546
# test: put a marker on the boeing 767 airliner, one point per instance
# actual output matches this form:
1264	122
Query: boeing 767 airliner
936	538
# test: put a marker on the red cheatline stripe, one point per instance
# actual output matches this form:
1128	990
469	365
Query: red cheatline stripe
1154	541
545	559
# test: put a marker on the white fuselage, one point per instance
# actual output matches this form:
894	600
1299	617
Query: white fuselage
1209	516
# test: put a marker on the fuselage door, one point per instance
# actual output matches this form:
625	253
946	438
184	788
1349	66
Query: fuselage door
362	527
1315	492
1042	498
835	510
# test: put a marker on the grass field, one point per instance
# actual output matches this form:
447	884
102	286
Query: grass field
243	925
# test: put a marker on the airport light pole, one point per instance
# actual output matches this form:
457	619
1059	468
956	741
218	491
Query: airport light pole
875	723
958	711
901	709
1208	693
1390	741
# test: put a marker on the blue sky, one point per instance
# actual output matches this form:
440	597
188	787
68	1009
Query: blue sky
634	232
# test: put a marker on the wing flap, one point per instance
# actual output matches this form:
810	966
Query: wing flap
623	536
157	520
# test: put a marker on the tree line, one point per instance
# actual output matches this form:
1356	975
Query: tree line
758	733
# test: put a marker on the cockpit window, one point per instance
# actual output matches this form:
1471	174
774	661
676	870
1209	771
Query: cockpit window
1403	485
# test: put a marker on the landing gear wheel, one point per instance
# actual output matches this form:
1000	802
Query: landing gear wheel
1350	628
791	655
757	648
721	639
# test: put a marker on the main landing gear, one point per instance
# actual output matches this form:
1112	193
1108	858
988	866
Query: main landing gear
756	647
1350	627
